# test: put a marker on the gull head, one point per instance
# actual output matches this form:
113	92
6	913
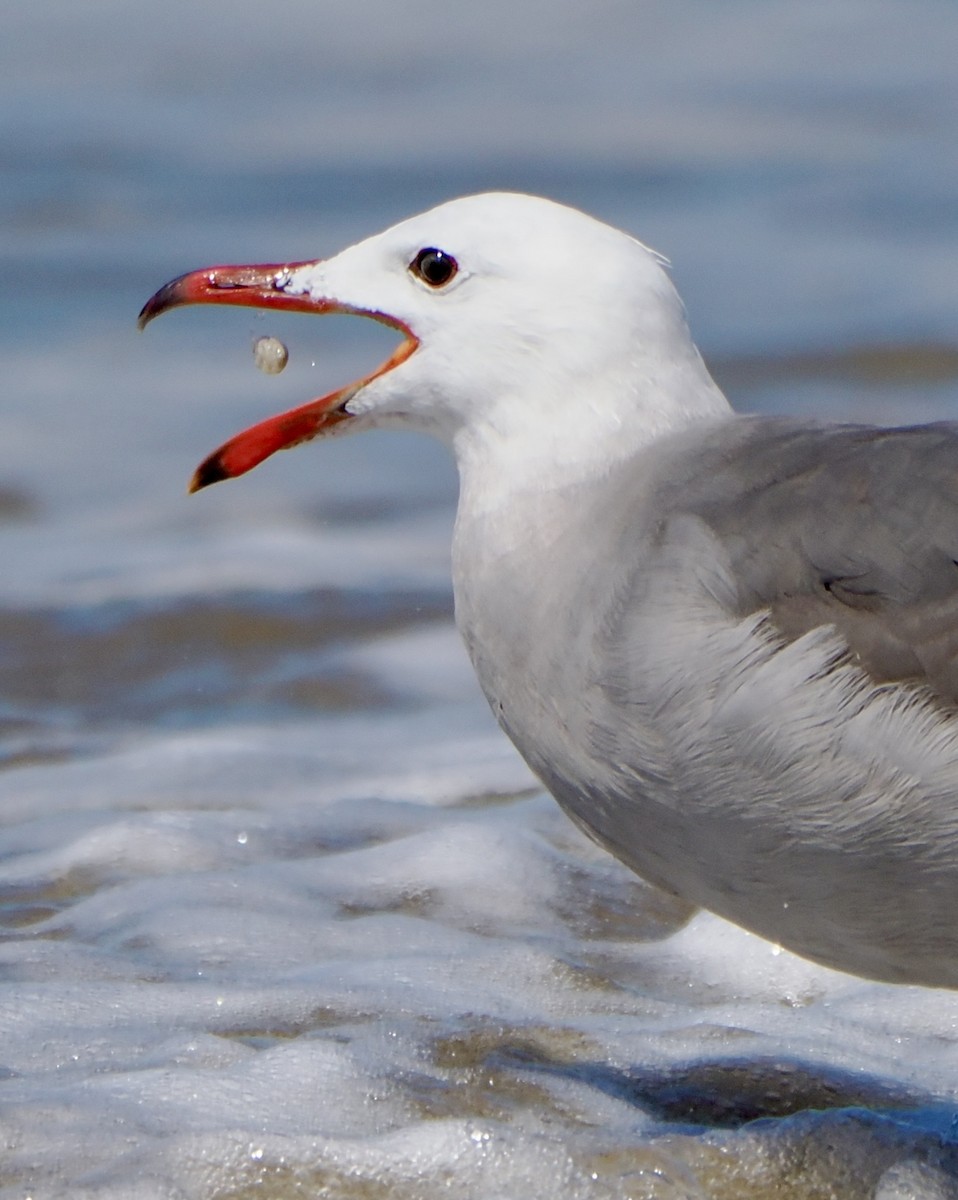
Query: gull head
521	320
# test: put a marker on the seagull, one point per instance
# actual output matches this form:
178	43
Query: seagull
727	644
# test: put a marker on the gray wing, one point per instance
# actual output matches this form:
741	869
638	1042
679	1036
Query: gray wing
851	526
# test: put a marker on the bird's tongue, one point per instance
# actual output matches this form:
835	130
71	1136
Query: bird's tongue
268	286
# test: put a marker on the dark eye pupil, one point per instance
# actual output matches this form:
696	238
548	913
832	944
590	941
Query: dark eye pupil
434	267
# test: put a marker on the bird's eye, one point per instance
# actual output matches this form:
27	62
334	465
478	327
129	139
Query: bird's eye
434	267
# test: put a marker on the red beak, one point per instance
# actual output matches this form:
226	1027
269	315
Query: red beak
264	286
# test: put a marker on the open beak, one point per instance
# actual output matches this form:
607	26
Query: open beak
265	286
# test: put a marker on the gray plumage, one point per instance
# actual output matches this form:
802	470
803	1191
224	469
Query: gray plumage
759	711
857	529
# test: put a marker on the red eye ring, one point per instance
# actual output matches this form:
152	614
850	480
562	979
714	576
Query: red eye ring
434	267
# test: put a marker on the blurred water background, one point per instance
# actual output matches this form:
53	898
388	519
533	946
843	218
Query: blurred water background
282	912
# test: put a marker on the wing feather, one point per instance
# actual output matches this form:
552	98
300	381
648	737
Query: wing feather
854	527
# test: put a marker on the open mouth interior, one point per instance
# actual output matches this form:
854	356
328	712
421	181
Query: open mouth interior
249	448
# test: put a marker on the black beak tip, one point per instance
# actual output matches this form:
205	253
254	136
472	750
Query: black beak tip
211	470
170	295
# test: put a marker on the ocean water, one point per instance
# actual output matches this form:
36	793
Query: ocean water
283	914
